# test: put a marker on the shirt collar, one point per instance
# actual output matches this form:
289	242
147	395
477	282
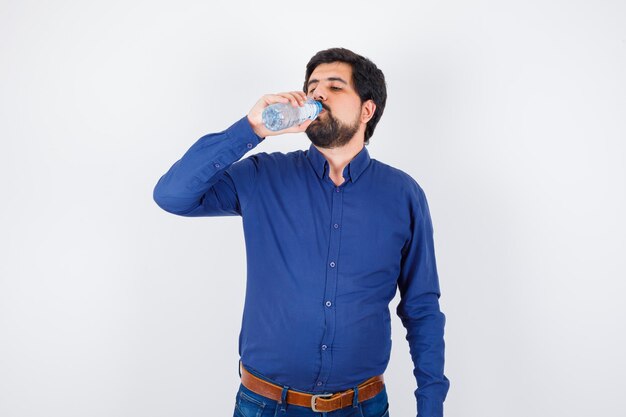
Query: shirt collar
352	171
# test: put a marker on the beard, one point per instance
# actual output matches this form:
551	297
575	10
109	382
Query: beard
330	132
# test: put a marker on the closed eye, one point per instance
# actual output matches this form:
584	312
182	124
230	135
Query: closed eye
332	88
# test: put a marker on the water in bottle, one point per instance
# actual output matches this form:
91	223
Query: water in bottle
279	116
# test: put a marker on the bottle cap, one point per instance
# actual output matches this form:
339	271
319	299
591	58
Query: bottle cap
319	107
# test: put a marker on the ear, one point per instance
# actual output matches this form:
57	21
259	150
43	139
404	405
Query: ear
367	110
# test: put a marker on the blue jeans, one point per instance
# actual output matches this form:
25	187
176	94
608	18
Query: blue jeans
251	404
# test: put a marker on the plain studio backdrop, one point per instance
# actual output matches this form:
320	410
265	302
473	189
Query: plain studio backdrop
511	115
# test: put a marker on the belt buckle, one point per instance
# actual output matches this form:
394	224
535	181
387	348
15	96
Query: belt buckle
315	397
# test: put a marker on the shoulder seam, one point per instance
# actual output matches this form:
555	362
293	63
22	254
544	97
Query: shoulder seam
256	185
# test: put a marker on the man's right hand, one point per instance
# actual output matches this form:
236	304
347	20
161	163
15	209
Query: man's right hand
296	98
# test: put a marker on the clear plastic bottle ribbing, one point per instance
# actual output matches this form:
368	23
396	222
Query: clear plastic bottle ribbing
279	116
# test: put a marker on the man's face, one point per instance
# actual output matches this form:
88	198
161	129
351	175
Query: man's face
331	84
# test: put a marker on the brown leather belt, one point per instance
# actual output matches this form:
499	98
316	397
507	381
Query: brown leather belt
317	402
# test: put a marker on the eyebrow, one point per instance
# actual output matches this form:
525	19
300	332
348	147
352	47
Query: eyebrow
329	79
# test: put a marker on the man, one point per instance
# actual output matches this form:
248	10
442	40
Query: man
330	235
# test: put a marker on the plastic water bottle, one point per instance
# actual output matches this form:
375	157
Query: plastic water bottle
279	116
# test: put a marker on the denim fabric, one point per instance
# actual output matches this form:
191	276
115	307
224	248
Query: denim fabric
251	404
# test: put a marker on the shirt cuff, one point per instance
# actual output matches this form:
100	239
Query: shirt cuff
242	130
429	408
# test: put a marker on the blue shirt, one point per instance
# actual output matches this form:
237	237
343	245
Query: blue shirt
323	261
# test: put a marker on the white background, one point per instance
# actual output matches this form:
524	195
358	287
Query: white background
510	115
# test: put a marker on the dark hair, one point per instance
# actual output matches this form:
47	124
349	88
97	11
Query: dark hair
368	80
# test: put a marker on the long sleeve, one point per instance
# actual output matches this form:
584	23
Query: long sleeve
419	309
209	179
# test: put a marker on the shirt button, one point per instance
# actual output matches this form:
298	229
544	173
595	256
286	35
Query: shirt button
336	226
328	304
216	165
332	264
324	347
319	383
249	146
337	189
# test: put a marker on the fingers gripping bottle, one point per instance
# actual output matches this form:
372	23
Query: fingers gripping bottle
279	116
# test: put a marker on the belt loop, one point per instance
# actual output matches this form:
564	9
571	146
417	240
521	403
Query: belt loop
283	399
355	400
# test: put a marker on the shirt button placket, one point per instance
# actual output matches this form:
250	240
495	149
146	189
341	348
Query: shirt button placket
331	285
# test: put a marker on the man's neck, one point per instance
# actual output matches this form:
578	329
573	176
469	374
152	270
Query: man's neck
339	158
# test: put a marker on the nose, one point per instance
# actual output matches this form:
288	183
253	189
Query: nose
319	94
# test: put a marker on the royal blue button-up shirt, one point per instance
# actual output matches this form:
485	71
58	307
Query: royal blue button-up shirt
323	261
